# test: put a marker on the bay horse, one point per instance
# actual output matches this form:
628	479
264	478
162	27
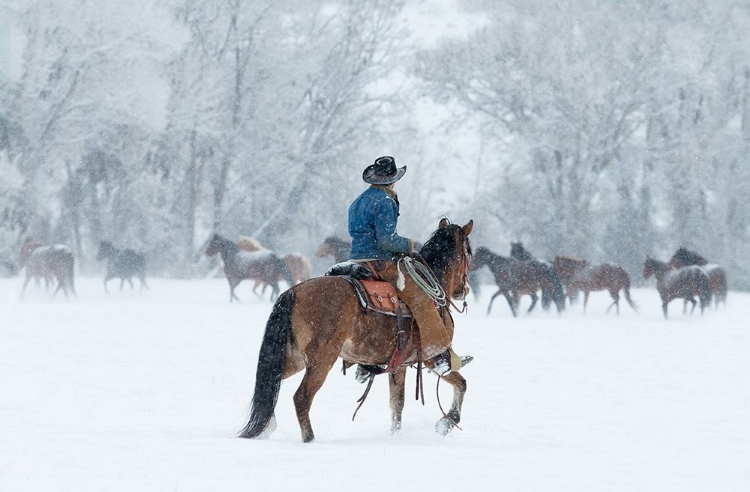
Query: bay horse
717	276
50	263
299	266
315	322
123	264
684	283
577	275
333	246
515	278
240	265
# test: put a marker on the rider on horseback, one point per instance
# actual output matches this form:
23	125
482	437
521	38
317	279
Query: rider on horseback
372	226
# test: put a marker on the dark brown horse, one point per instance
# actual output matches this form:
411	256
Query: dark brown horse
49	263
518	252
577	275
316	322
333	246
515	278
240	265
717	276
685	283
123	264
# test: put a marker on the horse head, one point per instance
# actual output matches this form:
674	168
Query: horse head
482	257
518	252
214	245
106	249
448	252
28	247
653	267
684	257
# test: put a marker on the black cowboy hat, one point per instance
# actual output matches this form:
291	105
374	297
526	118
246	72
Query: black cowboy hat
383	171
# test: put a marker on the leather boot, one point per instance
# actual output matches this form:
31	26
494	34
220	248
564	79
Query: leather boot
449	361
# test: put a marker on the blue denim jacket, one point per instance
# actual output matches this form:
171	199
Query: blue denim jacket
372	226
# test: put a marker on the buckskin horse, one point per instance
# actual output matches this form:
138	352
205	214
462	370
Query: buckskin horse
315	322
123	264
684	283
240	265
50	263
717	276
515	278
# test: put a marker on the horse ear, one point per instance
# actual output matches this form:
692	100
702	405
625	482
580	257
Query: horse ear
468	227
444	222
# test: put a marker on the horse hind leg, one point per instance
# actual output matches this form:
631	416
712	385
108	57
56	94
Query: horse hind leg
534	298
312	381
616	304
449	421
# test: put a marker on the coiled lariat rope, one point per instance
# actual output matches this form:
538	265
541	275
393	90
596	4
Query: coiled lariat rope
424	278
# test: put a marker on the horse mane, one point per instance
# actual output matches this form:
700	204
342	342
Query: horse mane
440	247
231	247
687	257
569	260
518	252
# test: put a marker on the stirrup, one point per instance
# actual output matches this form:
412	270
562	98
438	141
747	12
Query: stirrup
443	363
362	374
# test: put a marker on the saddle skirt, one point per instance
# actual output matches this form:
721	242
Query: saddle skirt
376	295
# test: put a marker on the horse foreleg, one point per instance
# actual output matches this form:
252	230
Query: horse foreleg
694	302
255	288
25	283
397	384
534	298
130	281
453	417
232	296
616	297
513	303
585	300
122	283
489	307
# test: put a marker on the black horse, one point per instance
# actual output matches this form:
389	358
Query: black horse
123	264
515	278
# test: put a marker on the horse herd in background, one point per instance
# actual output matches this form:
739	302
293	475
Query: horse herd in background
686	276
55	264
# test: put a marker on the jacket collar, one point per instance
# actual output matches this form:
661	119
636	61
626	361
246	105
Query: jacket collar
388	190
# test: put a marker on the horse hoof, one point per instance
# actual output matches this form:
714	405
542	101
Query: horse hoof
444	426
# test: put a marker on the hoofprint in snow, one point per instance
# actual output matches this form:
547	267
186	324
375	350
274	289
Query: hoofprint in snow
146	391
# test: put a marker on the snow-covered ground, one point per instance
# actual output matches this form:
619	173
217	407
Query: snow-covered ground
146	391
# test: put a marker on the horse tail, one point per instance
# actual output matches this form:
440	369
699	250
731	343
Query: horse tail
704	290
70	263
284	269
718	277
558	294
626	288
271	362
